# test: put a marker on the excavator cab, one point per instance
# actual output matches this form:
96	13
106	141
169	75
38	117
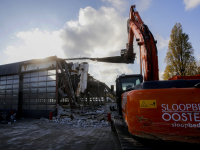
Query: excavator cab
126	83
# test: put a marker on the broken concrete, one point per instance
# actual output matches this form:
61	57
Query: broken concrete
84	117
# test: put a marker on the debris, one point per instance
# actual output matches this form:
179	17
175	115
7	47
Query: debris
85	117
98	111
61	110
60	90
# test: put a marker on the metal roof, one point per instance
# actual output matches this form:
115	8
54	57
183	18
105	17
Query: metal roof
14	68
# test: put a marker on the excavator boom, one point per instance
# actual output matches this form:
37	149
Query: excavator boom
145	40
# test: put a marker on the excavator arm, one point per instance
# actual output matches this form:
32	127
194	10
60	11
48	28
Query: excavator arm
145	40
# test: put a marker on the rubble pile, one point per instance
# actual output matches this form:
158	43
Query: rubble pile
85	117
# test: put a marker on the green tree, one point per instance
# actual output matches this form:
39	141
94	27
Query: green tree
198	67
179	58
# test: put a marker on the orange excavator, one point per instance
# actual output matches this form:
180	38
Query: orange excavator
153	109
164	110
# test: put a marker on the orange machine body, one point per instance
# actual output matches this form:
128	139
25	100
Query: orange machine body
178	77
153	109
169	114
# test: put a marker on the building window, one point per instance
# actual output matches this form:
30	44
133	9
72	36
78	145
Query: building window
9	89
39	90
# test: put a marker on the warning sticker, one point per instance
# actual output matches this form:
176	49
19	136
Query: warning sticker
148	104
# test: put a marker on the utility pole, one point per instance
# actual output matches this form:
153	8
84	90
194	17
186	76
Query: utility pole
98	90
105	96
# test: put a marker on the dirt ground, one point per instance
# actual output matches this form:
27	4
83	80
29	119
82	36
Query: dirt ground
36	134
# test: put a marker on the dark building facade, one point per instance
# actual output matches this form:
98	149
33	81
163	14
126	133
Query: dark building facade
34	88
29	87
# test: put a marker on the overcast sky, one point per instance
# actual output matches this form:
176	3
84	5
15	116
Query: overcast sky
90	28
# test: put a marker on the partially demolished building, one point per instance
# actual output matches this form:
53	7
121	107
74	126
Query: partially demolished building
34	88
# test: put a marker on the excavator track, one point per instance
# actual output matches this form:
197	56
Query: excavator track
127	141
130	142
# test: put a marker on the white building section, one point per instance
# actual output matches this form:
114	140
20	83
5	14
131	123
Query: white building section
74	68
83	73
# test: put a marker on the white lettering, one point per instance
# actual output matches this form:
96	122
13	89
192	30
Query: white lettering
190	114
195	116
188	106
174	108
183	108
163	116
186	125
185	118
163	106
194	107
174	118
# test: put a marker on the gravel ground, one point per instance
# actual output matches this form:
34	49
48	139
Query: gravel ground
38	134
